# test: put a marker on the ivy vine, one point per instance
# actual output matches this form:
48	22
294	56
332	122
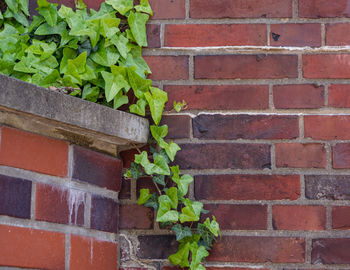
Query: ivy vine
96	55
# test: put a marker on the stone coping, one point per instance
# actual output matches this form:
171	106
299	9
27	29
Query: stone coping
51	113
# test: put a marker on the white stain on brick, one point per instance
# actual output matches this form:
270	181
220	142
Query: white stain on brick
75	199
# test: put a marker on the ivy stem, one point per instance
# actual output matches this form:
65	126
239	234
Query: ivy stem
138	149
154	182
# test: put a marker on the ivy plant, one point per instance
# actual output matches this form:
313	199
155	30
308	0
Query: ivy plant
96	55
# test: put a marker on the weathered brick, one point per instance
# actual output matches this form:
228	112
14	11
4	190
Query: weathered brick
341	217
153	35
341	156
29	248
97	169
297	34
304	96
323	8
337	34
238	217
33	152
145	182
104	214
297	155
125	192
59	205
339	95
179	126
240	9
128	156
224	156
91	254
325	127
258	249
331	251
299	217
176	67
247	187
15	196
245	67
229	127
156	246
331	187
168	9
205	35
135	217
326	66
227	97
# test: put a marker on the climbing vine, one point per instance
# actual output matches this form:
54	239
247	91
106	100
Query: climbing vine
96	56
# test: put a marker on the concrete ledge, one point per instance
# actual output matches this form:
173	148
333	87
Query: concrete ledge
39	110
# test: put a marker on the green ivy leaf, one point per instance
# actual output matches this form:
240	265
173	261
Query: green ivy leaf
156	102
153	202
120	100
135	170
91	93
181	232
212	226
105	56
181	256
144	196
159	167
164	213
171	150
178	106
122	6
139	85
172	194
198	254
114	84
137	22
144	7
159	179
13	5
139	108
121	43
109	27
48	11
135	59
191	212
24	6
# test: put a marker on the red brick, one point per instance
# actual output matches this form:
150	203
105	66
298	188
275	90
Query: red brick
327	187
179	126
258	249
324	127
247	187
339	96
298	96
238	217
331	251
29	248
32	152
341	156
91	254
227	97
168	9
135	217
97	169
296	34
231	127
224	156
202	35
240	9
128	156
59	205
125	192
153	35
156	246
324	8
337	34
297	155
299	217
341	217
326	66
104	214
176	67
145	182
246	66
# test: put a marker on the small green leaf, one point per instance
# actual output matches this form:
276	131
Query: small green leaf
156	102
181	232
105	56
212	226
159	179
159	167
121	43
171	150
144	196
120	100
13	5
144	7
135	170
139	85
181	256
198	254
48	11
172	194
178	106
91	93
139	108
137	22
122	6
164	213
24	6
153	202
114	84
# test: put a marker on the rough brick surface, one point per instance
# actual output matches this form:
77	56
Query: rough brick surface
135	217
341	156
104	214
247	187
179	126
29	248
92	254
337	34
299	217
33	152
331	187
324	66
97	169
176	67
168	9
223	156
324	8
153	35
341	217
325	127
339	96
228	127
156	246
331	251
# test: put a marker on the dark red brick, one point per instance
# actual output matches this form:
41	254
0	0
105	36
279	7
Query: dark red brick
297	34
135	217
331	251
97	169
246	67
247	187
339	96
156	246
168	9
258	249
240	9
297	155
341	217
125	192
205	35
341	156
224	156
153	35
128	156
145	182
227	97
299	217
104	214
298	96
59	205
324	8
338	34
326	66
179	126
15	197
231	127
331	187
176	67
238	217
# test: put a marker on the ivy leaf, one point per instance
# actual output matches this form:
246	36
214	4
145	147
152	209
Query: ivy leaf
144	7
1	17
13	5
191	211
139	85
178	106
67	54
182	182
137	22
212	226
105	56
24	6
171	150
159	167
181	256
144	196
164	213
206	235
198	254
45	29
122	6
114	83
91	93
172	194
158	133
153	202
156	102
135	59
121	43
139	108
135	170
159	179
120	100
109	27
181	232
48	11
21	18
